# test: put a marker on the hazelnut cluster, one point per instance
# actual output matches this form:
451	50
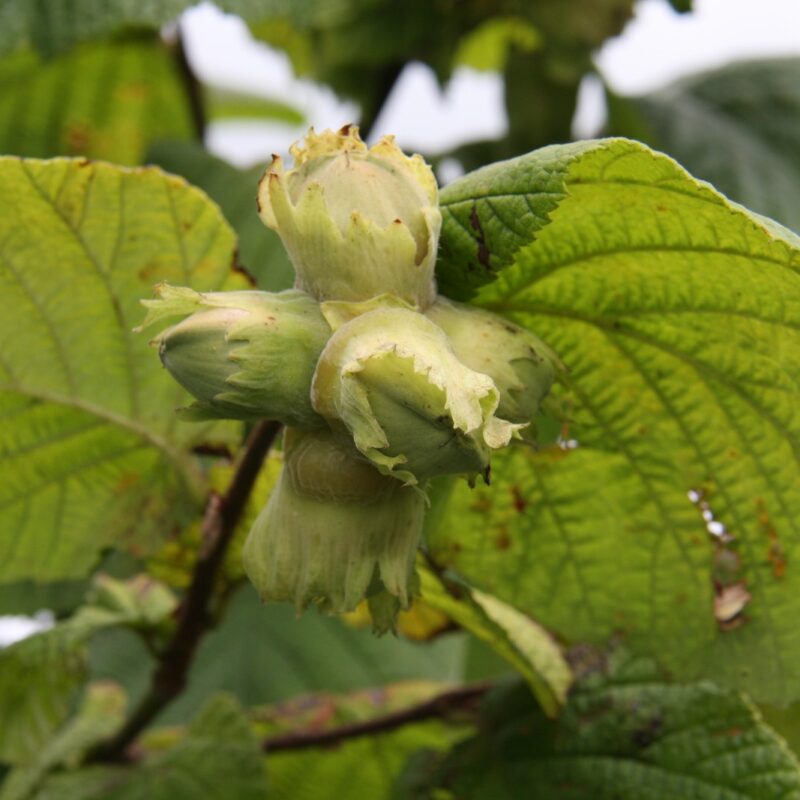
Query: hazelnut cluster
381	383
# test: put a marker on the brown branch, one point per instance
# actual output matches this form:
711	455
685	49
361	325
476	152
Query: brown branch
453	702
194	617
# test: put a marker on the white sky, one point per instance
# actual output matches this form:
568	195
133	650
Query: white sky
14	628
657	46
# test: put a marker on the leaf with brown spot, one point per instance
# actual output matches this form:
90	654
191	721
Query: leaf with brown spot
626	733
681	330
91	452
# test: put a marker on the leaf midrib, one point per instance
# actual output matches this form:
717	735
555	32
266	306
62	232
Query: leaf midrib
103	275
191	476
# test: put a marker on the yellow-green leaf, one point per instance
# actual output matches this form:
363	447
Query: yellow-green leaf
91	452
514	636
678	488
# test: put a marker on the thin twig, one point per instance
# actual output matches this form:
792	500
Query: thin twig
194	617
453	702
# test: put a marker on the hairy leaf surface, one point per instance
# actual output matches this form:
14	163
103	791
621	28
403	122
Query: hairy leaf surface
624	736
91	451
678	316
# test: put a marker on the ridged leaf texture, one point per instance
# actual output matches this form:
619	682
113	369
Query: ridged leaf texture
626	734
91	451
677	314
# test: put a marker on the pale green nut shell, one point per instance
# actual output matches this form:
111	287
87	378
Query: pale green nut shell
356	221
521	365
244	355
335	531
389	379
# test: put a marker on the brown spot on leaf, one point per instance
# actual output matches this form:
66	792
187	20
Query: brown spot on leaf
726	568
503	541
126	481
78	137
520	503
482	503
483	250
731	732
323	716
586	659
646	734
150	272
134	91
554	452
775	553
